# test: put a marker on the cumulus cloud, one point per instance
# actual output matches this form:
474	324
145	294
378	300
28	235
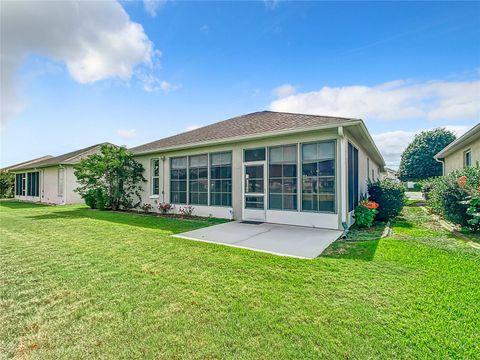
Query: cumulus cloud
127	133
432	100
152	83
152	6
95	39
284	90
392	143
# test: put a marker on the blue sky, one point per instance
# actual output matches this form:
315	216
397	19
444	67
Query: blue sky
402	67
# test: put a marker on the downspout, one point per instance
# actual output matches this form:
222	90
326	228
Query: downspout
163	178
443	165
343	183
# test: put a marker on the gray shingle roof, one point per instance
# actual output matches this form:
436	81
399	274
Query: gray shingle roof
245	125
25	163
70	158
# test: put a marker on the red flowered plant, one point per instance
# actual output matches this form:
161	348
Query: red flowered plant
462	181
365	213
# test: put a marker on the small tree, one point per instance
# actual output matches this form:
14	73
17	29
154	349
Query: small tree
7	184
111	179
417	160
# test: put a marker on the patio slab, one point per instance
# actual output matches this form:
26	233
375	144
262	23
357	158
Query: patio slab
284	240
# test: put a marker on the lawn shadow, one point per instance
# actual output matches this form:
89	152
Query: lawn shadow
361	244
169	224
15	204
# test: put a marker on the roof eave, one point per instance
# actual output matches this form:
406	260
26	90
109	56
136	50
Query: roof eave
454	145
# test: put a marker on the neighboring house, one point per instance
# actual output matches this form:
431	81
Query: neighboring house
463	152
50	179
391	174
266	166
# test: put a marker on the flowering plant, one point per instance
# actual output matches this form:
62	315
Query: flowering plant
186	210
365	213
472	201
165	207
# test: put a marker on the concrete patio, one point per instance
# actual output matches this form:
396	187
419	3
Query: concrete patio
284	240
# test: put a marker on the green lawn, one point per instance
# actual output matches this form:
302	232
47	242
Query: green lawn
78	283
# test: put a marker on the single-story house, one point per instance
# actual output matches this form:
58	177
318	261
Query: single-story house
463	152
391	174
50	179
266	166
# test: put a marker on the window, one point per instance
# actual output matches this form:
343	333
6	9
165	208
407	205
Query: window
33	183
198	179
373	175
318	177
60	181
254	155
178	180
155	171
20	184
467	158
221	179
282	178
352	165
368	170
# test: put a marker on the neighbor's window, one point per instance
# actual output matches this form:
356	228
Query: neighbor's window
368	169
155	171
198	179
221	179
33	183
178	180
467	156
60	181
282	177
20	184
254	155
318	176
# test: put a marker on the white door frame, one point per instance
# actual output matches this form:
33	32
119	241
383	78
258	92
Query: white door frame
254	214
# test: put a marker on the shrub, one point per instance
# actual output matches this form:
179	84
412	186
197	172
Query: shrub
165	207
186	210
454	196
146	208
96	199
365	213
389	195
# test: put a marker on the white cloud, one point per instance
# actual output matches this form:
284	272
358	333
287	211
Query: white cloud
152	6
153	84
432	100
392	143
95	39
193	127
284	90
127	133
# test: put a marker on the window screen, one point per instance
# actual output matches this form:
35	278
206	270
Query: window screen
318	176
282	177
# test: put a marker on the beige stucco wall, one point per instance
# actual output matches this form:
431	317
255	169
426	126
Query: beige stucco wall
454	161
49	187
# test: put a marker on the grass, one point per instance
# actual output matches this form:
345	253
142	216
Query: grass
77	283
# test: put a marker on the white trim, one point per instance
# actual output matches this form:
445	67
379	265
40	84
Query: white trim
453	146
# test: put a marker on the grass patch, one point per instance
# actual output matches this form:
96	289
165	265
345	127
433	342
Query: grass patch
79	283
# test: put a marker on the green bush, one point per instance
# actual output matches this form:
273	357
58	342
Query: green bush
96	199
450	196
365	213
389	195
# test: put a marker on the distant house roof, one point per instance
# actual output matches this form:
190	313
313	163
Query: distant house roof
263	122
70	158
470	136
26	163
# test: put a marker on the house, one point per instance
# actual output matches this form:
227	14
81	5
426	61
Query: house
50	179
391	174
463	152
265	166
